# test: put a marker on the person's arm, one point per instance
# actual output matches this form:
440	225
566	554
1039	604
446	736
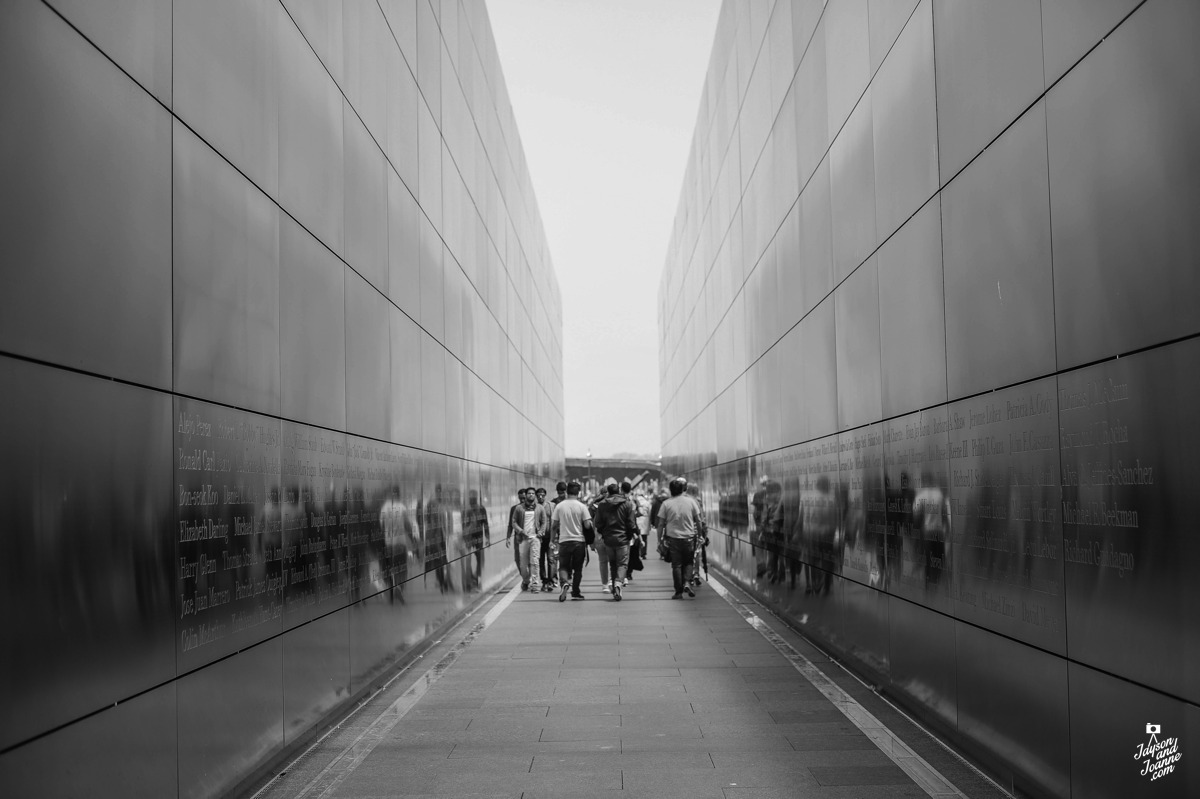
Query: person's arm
487	530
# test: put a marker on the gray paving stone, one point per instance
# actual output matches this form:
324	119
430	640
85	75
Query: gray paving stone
864	775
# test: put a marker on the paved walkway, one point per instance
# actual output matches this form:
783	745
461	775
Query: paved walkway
647	697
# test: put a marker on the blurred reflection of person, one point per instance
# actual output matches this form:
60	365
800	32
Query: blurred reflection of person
399	540
758	506
434	531
791	529
931	522
476	535
820	526
772	531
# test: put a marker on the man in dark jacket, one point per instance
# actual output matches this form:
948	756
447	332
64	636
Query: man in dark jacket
616	525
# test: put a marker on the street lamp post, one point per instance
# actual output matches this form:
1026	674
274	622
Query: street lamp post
588	480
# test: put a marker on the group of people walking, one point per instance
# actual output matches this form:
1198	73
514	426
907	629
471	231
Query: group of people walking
554	537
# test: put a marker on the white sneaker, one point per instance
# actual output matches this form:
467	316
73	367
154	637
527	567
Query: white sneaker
625	582
605	588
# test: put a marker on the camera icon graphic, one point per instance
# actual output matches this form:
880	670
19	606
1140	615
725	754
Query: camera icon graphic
1153	729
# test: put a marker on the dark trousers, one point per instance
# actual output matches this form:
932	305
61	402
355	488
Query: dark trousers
571	555
681	551
618	559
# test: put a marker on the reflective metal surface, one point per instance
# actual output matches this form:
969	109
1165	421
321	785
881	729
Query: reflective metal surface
88	555
366	175
310	141
1127	443
230	717
856	311
131	749
922	659
134	33
1007	556
885	20
229	545
1122	170
87	280
235	108
904	115
226	276
912	315
312	329
369	405
1013	710
218	536
1009	360
989	69
848	57
1112	751
996	255
1072	27
316	671
852	191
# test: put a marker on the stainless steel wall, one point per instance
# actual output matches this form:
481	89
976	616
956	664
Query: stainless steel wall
929	337
279	333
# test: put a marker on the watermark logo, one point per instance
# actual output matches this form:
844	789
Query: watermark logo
1157	756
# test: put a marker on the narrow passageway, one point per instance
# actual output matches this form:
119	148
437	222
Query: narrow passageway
648	697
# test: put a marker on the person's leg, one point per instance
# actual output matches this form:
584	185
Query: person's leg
522	555
619	564
551	548
535	552
675	556
602	556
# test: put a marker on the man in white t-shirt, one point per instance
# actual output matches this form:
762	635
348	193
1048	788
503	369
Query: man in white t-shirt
570	525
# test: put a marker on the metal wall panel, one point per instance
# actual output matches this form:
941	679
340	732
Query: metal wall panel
136	34
816	239
128	750
312	329
1013	710
87	553
912	557
366	192
912	314
1007	556
226	281
989	69
905	133
1124	167
852	191
310	141
404	248
820	371
1072	27
235	106
1128	438
856	339
996	250
230	719
369	404
316	671
229	579
848	58
922	659
87	279
1110	739
885	20
812	106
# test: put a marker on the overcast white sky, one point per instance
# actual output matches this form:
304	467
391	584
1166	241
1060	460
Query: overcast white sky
605	94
